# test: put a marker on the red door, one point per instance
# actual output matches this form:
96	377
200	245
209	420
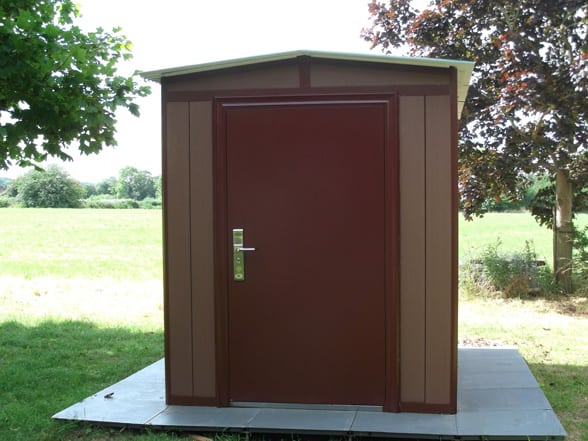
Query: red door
306	182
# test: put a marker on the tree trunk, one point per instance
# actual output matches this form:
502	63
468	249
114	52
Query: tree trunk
563	231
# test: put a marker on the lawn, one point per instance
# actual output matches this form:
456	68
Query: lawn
81	307
86	244
513	230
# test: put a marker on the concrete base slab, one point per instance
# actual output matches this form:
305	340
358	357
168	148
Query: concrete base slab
498	398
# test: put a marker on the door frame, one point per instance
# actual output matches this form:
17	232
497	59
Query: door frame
222	242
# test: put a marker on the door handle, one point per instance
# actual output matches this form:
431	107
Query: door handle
238	256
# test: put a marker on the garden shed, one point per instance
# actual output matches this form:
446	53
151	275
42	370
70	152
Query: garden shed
310	231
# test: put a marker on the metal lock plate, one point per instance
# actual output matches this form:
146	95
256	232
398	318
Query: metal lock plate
238	255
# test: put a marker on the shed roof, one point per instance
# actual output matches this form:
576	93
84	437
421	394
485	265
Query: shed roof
464	68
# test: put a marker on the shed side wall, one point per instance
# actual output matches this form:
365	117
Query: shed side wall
201	238
439	188
426	337
412	249
178	320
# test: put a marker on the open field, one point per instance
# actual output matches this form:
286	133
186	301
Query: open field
80	243
81	307
513	229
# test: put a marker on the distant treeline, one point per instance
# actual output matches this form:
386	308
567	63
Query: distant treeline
55	188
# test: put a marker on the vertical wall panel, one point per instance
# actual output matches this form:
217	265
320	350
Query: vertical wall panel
177	235
202	249
439	265
412	249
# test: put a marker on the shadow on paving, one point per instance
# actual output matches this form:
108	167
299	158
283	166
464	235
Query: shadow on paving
49	365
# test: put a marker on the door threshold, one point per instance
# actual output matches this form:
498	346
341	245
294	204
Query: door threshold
305	406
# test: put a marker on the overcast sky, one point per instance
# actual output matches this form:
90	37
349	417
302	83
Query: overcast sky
184	32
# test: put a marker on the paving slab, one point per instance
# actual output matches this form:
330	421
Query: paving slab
534	424
409	424
205	418
479	400
490	361
130	402
335	422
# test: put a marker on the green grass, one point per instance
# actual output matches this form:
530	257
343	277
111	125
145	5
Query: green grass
81	308
80	243
513	229
48	365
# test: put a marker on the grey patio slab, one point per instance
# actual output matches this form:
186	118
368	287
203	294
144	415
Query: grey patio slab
413	424
205	418
478	353
490	368
495	380
132	401
506	423
502	399
490	360
498	398
307	421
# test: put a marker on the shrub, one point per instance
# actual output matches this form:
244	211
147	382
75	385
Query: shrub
6	201
150	203
100	202
513	275
580	259
53	188
128	203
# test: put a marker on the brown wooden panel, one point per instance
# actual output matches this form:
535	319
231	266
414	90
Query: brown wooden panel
439	242
249	77
412	249
177	249
201	239
324	74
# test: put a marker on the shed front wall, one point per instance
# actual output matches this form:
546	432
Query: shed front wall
428	211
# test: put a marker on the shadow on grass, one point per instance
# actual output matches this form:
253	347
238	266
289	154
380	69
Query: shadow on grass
50	365
566	389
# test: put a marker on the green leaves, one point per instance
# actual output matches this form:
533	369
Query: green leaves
67	78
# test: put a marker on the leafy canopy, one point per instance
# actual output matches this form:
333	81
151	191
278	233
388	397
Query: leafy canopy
525	113
58	84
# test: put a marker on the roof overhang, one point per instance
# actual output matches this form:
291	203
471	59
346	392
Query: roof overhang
464	68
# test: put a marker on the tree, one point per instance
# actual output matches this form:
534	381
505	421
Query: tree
135	184
58	84
525	114
107	186
53	188
89	189
159	187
